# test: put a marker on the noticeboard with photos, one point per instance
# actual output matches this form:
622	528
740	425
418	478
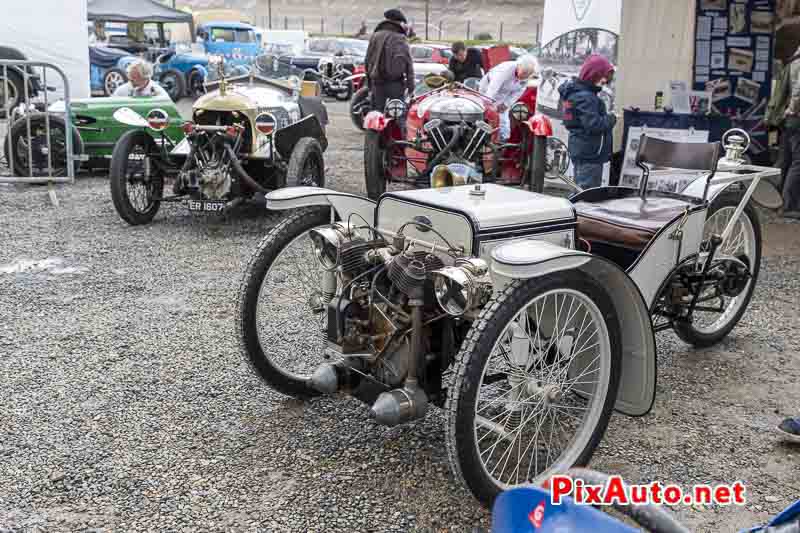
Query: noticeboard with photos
733	61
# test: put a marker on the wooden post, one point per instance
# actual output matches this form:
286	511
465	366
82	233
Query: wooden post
285	22
427	17
269	9
303	23
468	25
342	32
322	25
440	30
501	32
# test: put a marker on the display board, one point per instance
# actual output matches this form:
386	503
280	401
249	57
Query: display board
733	60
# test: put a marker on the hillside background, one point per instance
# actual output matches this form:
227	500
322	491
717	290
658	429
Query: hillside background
521	19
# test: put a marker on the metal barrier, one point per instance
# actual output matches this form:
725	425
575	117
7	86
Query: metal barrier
34	91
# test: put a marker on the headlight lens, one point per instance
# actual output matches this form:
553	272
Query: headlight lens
460	288
395	109
326	243
520	112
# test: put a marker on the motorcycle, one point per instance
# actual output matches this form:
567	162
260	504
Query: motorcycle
530	509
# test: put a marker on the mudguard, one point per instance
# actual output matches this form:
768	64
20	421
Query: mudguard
286	138
528	258
375	120
344	204
540	125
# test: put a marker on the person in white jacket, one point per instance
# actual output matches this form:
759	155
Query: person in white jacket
505	83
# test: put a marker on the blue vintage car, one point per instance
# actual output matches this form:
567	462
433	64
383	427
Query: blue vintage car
108	69
182	72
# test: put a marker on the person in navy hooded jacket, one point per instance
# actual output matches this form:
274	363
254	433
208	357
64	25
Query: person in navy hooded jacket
589	124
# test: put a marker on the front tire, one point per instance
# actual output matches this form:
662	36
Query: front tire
306	165
17	149
173	82
545	352
112	80
345	94
137	185
374	165
709	328
280	284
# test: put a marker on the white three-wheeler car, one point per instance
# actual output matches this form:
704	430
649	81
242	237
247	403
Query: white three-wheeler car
527	318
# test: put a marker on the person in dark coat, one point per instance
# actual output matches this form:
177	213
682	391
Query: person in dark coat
589	124
389	67
465	63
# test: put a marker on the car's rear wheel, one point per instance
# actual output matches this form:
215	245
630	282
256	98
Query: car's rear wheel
306	165
172	81
113	79
374	164
137	183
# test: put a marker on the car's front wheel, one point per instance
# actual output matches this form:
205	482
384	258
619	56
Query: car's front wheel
172	81
137	182
306	165
112	80
535	383
374	164
281	306
39	155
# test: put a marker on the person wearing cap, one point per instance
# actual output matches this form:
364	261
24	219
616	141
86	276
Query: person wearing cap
389	67
505	83
589	124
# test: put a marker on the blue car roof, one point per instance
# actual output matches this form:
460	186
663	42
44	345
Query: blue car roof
227	25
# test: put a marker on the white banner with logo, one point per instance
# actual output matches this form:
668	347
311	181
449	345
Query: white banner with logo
564	16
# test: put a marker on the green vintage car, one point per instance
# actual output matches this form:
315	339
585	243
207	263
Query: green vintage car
94	133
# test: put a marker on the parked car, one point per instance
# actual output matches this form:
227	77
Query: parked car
235	41
182	72
527	319
331	61
108	69
248	135
450	138
94	132
431	53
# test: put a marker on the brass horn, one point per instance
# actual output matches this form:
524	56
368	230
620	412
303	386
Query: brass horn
452	175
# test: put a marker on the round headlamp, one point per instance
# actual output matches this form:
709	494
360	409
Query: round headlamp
520	112
395	109
158	119
458	288
326	243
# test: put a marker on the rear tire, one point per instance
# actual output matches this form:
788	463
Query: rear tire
374	167
173	82
16	146
265	266
543	385
122	181
345	95
306	165
703	337
360	98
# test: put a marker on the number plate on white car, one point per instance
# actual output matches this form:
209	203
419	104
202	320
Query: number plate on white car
212	206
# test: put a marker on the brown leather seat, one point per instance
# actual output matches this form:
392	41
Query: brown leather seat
630	222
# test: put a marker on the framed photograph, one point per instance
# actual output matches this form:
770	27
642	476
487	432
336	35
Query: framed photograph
720	89
717	61
747	90
714	5
737	20
740	59
761	22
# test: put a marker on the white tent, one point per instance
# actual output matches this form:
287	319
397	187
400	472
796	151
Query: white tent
564	16
60	37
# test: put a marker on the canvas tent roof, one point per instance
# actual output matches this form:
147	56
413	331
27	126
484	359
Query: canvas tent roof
135	11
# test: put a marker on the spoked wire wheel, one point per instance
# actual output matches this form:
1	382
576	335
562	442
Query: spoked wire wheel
535	383
282	312
137	182
716	314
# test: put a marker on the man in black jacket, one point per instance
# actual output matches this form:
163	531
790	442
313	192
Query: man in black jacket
465	63
389	67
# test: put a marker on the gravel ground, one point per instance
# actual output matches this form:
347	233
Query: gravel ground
126	405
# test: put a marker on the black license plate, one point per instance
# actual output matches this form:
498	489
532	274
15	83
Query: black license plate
206	206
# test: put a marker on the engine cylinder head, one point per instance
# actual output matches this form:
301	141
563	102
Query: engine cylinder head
408	275
352	255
